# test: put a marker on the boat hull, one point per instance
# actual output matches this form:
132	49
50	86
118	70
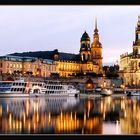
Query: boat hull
5	95
106	92
133	94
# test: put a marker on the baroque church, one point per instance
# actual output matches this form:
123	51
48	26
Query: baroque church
130	62
87	62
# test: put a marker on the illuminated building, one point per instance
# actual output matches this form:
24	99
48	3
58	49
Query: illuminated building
44	63
26	65
130	63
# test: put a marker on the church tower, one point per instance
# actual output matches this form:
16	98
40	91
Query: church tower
85	50
96	49
136	43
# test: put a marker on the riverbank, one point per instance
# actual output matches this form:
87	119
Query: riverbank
83	95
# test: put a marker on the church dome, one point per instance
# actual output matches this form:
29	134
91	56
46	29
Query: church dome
85	37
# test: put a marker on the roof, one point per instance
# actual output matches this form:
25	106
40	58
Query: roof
85	37
24	59
48	55
89	81
69	56
37	54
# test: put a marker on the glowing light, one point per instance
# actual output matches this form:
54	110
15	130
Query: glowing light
37	117
84	118
49	117
0	110
17	125
125	114
117	127
29	126
10	118
61	115
75	116
71	116
37	106
27	108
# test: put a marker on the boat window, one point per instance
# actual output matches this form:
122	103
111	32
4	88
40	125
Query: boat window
13	84
20	89
14	89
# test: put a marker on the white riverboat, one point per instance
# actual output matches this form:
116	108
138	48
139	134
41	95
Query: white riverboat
106	91
21	88
133	93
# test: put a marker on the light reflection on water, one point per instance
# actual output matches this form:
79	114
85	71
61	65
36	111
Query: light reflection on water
70	115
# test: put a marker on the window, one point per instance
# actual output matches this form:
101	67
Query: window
10	65
7	65
83	57
1	65
138	51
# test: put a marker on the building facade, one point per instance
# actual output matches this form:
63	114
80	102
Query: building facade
45	63
26	66
130	62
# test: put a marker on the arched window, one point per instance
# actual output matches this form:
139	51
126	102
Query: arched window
83	57
88	56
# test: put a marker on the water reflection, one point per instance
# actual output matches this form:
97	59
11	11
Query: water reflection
65	115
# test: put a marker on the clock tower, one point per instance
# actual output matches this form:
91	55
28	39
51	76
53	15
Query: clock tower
96	49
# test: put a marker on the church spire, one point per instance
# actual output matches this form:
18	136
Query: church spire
138	23
96	23
96	30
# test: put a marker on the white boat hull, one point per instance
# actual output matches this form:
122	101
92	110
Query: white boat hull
20	88
37	95
106	92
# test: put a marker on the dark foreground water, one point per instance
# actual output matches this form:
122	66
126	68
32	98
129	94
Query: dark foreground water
70	115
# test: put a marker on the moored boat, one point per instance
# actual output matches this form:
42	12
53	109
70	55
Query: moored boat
21	88
133	93
106	92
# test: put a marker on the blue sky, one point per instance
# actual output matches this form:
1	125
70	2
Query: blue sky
41	28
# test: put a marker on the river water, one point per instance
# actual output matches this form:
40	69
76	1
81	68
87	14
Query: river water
70	115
